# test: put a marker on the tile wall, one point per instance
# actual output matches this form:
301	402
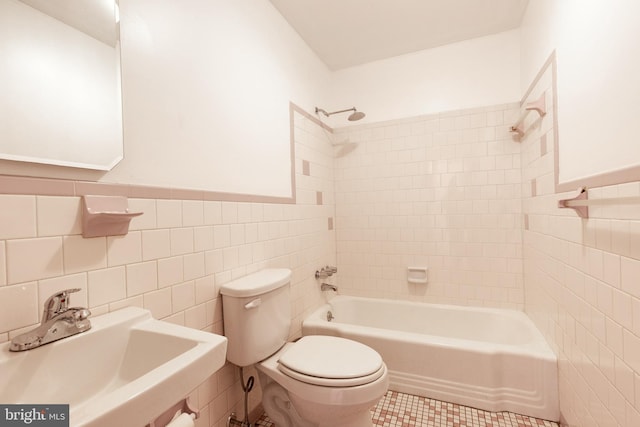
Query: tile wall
582	283
441	191
453	192
174	258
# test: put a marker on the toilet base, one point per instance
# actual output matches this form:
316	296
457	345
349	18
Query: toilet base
333	415
289	410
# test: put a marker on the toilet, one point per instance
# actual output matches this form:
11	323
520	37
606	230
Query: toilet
316	381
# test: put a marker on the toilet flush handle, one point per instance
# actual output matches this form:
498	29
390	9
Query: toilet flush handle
253	304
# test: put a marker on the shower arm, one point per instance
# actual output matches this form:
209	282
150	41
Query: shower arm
320	110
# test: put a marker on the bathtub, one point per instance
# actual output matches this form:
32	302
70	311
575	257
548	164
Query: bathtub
491	359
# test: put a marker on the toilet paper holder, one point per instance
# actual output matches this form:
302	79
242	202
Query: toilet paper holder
184	406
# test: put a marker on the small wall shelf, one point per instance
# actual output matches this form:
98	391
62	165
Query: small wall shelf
106	216
418	275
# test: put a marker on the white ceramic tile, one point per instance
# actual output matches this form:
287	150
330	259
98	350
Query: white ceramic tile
634	239
182	241
192	213
221	236
3	264
156	244
611	264
59	215
159	302
196	317
169	213
212	213
141	278
34	259
632	350
614	336
123	250
632	415
136	301
205	289
148	219
177	318
170	271
237	234
82	254
229	212
244	213
194	266
18	306
106	286
17	217
595	263
203	238
251	233
624	379
183	296
214	261
214	310
630	276
257	212
207	391
231	258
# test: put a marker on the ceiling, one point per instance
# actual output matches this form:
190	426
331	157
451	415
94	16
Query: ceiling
344	33
95	18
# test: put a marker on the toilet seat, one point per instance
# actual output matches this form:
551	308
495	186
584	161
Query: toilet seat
331	362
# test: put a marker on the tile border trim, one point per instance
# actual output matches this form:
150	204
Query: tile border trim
26	185
619	176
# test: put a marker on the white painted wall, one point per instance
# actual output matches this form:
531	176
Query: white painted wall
598	55
470	74
206	91
207	86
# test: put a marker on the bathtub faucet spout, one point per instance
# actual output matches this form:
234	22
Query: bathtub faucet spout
328	287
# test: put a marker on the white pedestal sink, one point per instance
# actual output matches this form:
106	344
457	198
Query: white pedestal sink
125	371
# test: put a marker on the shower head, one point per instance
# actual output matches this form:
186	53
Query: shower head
356	115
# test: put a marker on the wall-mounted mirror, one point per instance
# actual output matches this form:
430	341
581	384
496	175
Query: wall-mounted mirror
60	89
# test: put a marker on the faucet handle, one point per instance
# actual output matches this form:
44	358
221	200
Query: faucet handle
57	303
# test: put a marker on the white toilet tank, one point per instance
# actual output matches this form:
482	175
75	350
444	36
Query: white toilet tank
257	315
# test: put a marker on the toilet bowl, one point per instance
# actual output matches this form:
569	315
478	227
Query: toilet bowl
317	381
327	381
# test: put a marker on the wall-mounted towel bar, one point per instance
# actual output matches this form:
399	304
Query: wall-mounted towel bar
539	105
581	202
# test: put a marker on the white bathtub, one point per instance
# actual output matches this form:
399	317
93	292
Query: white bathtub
490	359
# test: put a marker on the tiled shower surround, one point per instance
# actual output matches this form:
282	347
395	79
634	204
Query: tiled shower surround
439	191
453	192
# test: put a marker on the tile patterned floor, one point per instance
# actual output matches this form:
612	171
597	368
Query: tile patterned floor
404	410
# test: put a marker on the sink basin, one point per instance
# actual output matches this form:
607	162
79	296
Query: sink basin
126	370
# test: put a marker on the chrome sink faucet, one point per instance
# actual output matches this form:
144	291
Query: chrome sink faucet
58	321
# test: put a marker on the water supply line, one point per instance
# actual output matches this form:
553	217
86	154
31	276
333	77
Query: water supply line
246	387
